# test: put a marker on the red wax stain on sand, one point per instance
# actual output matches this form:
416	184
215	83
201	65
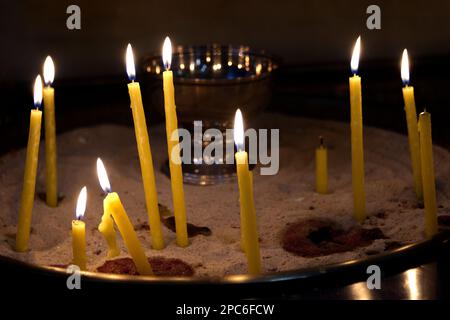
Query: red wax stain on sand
161	267
319	237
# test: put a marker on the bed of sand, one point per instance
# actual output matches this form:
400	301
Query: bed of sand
280	200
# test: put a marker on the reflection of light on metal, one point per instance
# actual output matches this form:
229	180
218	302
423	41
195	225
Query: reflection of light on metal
182	66
230	63
239	66
414	289
247	61
208	59
149	69
192	66
269	67
158	70
359	291
258	69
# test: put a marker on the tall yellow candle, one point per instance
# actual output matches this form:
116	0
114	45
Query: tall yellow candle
173	148
29	180
321	168
145	155
79	232
359	194
113	206
249	228
428	179
411	120
51	173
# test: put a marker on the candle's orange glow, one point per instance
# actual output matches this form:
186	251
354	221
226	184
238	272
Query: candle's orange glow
167	53
354	64
81	203
103	176
239	130
131	70
49	71
405	67
38	92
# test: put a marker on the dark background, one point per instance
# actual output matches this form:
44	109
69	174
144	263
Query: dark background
313	39
301	32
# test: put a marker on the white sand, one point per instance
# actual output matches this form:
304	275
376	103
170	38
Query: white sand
280	199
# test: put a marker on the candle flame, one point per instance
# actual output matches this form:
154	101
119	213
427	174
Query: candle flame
38	92
49	71
239	130
81	203
131	70
167	53
103	176
405	67
355	56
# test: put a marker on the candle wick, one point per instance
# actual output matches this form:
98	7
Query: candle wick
321	141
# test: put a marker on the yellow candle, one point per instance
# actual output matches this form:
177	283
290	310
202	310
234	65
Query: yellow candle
106	227
145	155
411	120
51	174
359	194
79	232
29	180
113	206
176	173
429	184
249	228
321	168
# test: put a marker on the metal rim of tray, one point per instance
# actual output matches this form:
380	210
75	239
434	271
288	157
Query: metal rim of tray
401	258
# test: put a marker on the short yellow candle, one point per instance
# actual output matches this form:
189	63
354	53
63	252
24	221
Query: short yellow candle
79	232
428	179
106	227
29	180
249	228
173	148
321	168
359	194
51	173
411	120
113	206
145	155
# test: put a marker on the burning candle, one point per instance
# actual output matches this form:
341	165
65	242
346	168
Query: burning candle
429	183
173	148
321	168
79	232
29	180
359	194
145	154
411	120
51	174
113	206
249	228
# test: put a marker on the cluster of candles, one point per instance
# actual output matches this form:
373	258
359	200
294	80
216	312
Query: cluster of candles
420	145
115	214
